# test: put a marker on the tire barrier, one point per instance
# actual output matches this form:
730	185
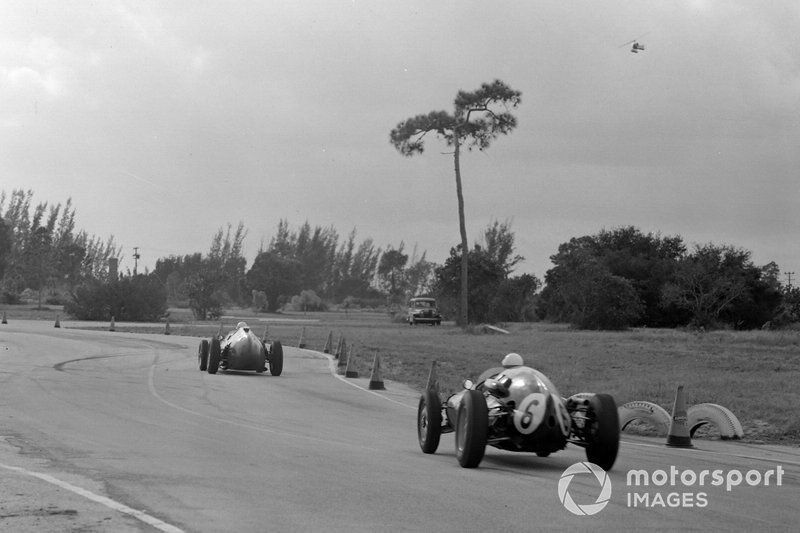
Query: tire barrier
722	418
649	412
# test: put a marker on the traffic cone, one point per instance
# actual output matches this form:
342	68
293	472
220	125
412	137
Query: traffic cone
338	351
5	320
302	343
57	324
112	327
166	328
678	436
376	380
433	379
266	329
344	358
350	371
328	343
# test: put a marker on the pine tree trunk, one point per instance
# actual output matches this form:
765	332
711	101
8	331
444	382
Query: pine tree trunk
464	296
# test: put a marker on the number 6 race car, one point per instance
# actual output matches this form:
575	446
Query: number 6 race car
240	349
517	408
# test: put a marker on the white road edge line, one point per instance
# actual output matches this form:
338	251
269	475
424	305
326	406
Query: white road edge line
89	495
332	366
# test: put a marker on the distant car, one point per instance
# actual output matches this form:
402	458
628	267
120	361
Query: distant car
517	408
240	349
423	310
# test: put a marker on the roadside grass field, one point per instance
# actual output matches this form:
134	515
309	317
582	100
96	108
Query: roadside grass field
755	374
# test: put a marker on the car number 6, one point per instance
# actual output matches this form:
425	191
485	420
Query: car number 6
530	413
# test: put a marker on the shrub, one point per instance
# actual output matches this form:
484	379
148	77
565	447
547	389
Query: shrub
136	299
306	301
8	297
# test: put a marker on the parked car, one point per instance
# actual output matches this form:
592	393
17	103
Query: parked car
423	310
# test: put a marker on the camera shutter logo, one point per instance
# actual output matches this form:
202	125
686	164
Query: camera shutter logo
591	508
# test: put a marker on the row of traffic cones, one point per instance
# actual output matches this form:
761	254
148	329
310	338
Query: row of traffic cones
343	353
111	327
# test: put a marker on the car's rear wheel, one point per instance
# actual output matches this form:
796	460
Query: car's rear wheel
471	429
202	355
276	359
429	421
214	356
603	433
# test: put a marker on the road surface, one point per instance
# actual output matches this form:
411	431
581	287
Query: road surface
104	431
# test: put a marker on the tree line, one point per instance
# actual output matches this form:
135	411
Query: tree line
41	250
614	279
623	277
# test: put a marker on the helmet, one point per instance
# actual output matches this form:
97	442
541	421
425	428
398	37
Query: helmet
241	325
512	360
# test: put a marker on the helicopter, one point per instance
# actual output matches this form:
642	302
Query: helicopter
636	48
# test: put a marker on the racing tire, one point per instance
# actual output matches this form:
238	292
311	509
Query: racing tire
202	355
471	429
602	440
214	356
429	421
276	359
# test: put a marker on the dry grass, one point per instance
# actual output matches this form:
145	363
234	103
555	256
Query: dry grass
755	374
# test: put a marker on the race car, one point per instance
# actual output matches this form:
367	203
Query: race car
517	408
240	349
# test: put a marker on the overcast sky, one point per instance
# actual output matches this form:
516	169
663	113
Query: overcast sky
164	121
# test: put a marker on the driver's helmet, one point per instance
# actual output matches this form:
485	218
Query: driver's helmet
511	360
241	325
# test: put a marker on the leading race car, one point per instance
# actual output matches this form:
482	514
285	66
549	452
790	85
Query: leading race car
240	349
517	408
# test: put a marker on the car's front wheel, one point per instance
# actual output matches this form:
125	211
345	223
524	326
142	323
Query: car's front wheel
471	429
276	359
214	356
429	421
603	434
202	355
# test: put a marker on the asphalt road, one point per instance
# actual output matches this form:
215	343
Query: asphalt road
103	431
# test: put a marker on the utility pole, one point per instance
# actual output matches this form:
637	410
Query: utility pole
136	257
789	278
